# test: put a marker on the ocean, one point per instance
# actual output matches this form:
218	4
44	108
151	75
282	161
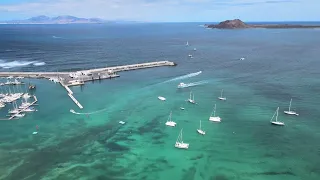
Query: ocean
279	64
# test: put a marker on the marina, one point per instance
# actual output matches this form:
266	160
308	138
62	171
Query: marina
78	78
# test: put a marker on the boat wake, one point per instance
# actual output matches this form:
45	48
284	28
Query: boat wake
88	113
56	37
184	77
193	84
13	64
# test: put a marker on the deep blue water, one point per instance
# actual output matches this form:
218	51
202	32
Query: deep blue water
280	64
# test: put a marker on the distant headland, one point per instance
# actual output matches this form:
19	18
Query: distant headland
238	24
59	20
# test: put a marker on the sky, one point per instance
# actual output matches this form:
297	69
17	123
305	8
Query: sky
166	10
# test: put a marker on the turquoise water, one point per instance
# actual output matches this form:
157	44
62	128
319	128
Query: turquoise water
279	65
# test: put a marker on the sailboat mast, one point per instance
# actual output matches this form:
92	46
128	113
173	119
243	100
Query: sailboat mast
214	112
221	93
200	124
277	114
181	135
290	104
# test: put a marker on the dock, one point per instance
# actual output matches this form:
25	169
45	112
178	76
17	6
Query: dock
77	78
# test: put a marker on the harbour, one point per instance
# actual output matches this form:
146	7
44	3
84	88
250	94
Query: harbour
78	78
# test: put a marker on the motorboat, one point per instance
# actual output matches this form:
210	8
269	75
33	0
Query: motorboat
182	85
161	98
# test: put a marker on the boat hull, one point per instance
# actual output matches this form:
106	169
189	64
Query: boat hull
277	123
171	124
215	119
291	113
201	132
161	98
181	145
222	98
191	101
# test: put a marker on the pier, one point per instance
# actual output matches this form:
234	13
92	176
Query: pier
77	78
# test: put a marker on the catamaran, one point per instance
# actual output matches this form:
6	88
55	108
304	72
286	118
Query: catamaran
289	112
170	122
191	99
276	122
200	131
213	116
179	143
221	97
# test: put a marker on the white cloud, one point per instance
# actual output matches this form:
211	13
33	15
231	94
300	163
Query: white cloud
161	10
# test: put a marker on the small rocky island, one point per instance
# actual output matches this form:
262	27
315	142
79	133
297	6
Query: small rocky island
238	24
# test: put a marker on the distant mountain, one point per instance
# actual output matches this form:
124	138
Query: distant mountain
238	24
229	24
57	20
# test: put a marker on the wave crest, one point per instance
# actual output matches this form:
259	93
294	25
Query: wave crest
14	64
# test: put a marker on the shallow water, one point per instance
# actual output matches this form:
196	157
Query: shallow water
279	65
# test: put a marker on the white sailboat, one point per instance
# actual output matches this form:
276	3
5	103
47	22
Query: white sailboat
14	110
221	97
191	98
289	112
24	104
19	115
213	116
29	109
179	143
170	122
200	131
187	44
276	122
